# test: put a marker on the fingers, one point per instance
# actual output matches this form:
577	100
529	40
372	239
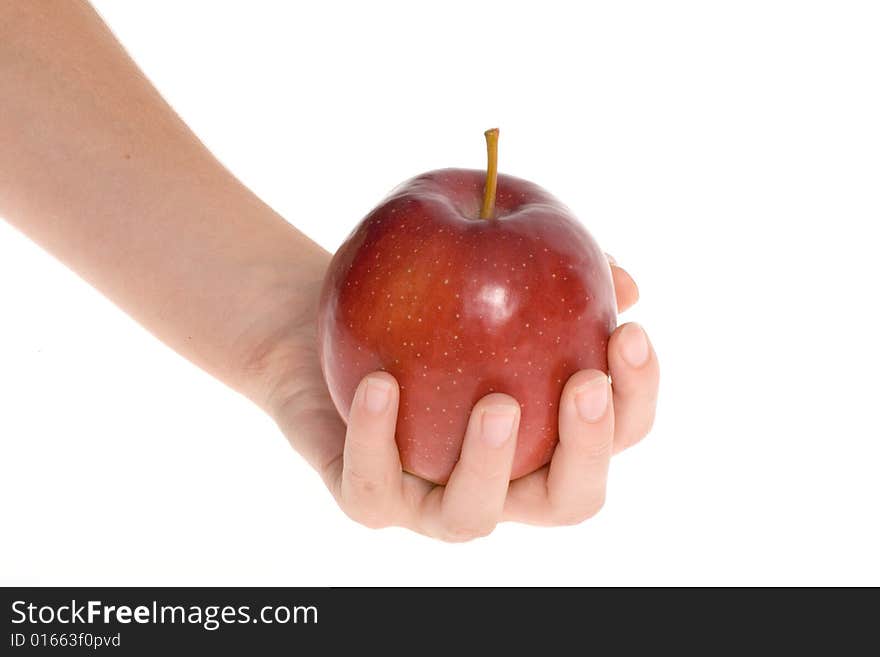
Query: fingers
635	376
572	489
595	419
625	288
473	500
370	485
371	489
579	469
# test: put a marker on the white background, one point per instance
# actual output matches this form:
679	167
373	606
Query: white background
728	155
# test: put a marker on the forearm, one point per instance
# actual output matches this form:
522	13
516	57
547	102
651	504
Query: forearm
97	168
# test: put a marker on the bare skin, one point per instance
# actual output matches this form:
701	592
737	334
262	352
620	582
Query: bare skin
98	169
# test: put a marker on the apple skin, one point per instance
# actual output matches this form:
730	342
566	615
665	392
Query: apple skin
456	307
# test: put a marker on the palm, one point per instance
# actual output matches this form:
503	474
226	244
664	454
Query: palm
307	415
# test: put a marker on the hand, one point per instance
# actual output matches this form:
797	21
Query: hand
361	466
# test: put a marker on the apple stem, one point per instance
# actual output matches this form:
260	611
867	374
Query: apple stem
487	211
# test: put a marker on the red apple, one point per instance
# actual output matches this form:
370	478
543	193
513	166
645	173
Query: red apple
462	283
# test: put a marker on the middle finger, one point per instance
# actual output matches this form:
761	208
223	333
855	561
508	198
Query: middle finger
472	502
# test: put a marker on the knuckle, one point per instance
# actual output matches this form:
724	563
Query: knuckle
571	517
488	472
465	533
368	517
365	499
359	485
599	449
634	433
374	522
568	518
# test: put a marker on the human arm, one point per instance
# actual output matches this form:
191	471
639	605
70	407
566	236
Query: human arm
97	168
100	171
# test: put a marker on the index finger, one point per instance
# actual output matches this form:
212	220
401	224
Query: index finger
370	484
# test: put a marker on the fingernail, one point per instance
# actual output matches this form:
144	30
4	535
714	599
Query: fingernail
591	399
497	425
377	394
611	259
634	346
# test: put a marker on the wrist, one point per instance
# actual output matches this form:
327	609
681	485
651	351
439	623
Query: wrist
278	343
